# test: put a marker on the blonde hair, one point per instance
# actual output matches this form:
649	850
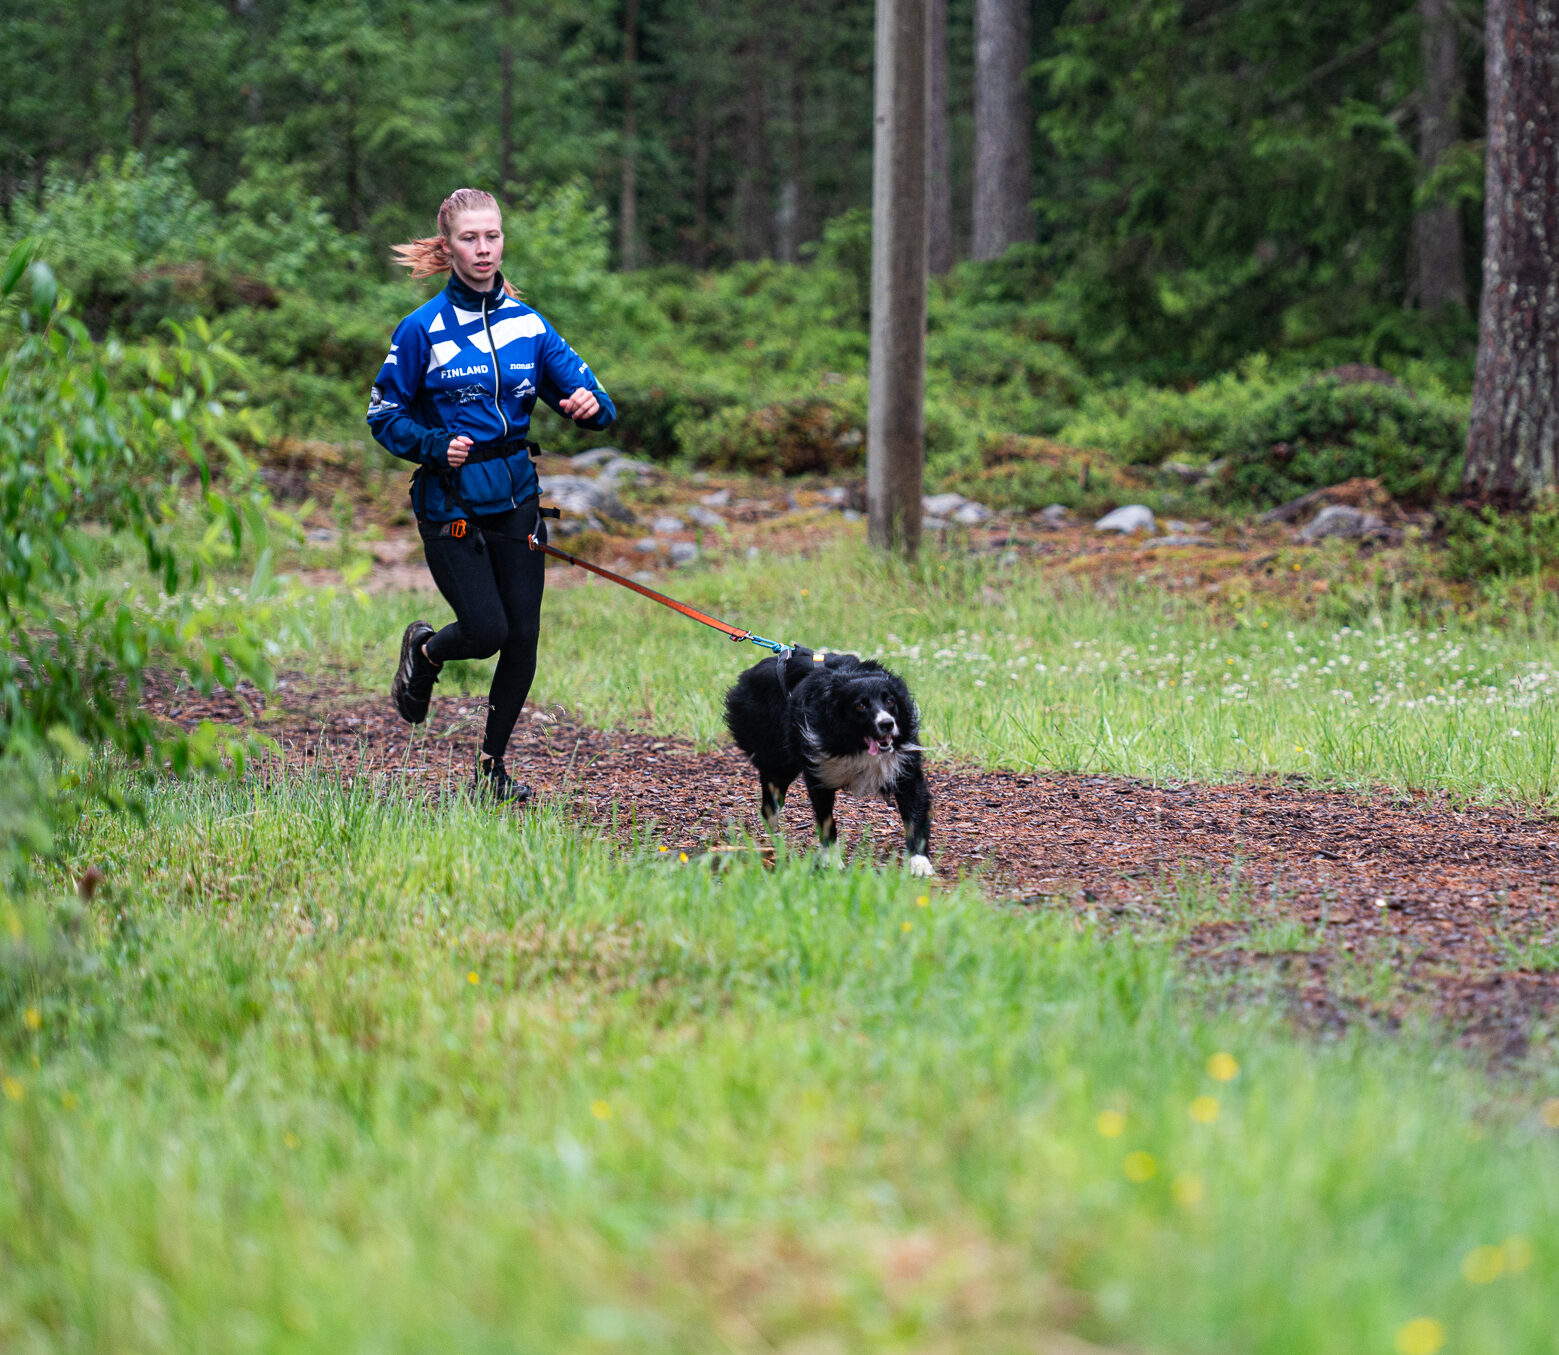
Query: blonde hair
430	255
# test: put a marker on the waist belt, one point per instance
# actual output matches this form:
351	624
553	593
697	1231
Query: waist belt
500	451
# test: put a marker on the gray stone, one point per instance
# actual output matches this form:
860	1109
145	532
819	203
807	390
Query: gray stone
321	535
1054	515
1129	518
942	505
721	498
849	515
703	517
837	494
642	576
1185	473
592	500
596	456
1194	528
620	466
646	545
667	523
1180	539
934	524
683	552
1341	520
971	514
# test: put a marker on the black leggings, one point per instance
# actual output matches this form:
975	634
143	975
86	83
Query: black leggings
497	600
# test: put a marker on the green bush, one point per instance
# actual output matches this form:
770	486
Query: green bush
1280	436
1486	543
814	434
96	447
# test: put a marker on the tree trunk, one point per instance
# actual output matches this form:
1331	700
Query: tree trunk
896	413
1514	433
140	107
939	144
1437	229
790	216
628	196
506	95
1002	170
753	192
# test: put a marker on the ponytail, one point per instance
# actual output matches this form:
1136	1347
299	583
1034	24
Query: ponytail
430	255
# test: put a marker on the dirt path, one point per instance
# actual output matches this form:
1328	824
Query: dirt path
1351	907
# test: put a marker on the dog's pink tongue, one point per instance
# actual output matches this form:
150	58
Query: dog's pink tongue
873	747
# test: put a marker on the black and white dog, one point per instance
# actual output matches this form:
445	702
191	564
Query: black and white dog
840	723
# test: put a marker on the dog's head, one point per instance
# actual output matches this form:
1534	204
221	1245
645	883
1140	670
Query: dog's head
869	712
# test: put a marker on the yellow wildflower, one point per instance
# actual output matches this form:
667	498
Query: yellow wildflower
1421	1336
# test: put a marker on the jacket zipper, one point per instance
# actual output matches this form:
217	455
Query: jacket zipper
492	352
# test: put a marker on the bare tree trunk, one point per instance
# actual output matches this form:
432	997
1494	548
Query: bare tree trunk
896	411
939	144
140	108
1437	229
506	95
790	214
702	134
628	197
1002	170
753	187
1514	434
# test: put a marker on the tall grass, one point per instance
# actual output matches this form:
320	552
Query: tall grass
1015	669
323	1070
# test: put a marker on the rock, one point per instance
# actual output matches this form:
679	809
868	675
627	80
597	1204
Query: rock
1179	539
596	456
1189	528
849	515
1341	520
934	524
642	576
721	498
942	505
1129	518
971	514
1054	515
837	494
321	535
667	523
646	545
1361	492
620	466
703	517
1359	374
1183	472
589	499
683	552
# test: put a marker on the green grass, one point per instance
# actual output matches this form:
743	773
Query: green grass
322	1070
1019	671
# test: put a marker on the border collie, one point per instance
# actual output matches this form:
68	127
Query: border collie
840	723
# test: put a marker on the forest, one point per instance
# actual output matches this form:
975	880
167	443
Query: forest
1221	1010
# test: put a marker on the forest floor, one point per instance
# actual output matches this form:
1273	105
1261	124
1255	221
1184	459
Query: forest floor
1348	908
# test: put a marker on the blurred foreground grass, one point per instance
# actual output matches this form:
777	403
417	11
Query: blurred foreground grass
320	1070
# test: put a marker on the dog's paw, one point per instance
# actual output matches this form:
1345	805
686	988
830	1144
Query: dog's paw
920	865
829	858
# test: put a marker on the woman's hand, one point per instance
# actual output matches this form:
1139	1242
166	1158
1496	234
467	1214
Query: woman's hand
581	405
459	449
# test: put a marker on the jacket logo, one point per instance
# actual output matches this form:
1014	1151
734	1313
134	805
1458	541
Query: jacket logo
467	394
450	373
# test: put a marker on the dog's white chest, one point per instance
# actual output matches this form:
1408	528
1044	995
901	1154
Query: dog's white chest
859	773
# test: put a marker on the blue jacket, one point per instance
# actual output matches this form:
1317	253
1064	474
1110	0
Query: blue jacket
441	380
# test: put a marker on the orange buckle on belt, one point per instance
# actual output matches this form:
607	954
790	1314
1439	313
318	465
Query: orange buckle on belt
457	528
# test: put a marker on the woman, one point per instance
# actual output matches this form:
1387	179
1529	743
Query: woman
454	397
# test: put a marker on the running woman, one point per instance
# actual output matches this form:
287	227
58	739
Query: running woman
454	398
